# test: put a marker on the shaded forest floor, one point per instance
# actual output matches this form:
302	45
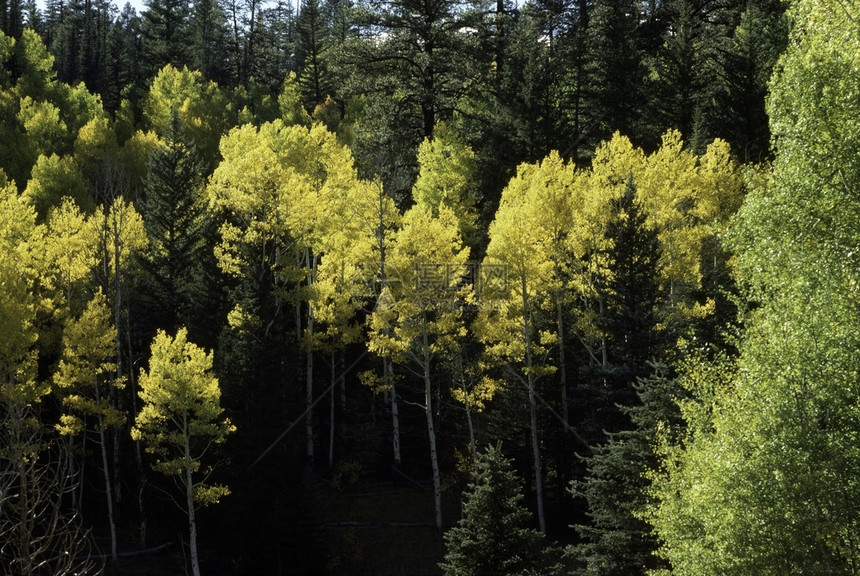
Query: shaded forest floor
370	529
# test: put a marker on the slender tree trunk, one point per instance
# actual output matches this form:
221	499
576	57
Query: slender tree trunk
527	339
138	457
342	384
431	429
108	491
311	260
604	355
331	409
113	396
189	502
395	411
562	366
387	366
309	389
472	445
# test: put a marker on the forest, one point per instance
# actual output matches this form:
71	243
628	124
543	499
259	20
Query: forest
430	287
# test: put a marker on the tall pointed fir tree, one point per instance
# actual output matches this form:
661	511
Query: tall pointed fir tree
415	65
494	536
208	34
633	292
124	53
612	74
616	540
311	43
12	17
164	34
177	224
275	56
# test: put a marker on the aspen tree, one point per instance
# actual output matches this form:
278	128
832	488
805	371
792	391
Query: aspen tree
181	421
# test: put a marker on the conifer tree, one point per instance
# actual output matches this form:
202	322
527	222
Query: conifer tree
617	541
275	53
164	33
632	292
177	224
208	50
494	536
311	44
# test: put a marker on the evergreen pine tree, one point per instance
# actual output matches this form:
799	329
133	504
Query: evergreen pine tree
275	53
177	225
312	40
164	32
493	538
11	18
633	290
627	317
612	74
208	32
617	541
123	69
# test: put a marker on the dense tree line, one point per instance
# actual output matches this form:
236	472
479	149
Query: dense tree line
363	241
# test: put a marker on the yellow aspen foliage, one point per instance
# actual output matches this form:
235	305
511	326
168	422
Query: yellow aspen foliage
20	239
68	258
54	178
181	414
428	263
87	364
201	105
446	173
687	200
121	235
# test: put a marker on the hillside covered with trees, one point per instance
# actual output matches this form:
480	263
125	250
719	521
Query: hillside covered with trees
429	287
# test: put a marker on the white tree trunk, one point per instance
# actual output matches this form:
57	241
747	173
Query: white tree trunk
331	409
527	339
189	502
309	369
562	366
431	429
108	491
395	411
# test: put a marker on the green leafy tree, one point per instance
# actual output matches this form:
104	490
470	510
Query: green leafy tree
765	480
84	376
180	422
418	317
494	537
